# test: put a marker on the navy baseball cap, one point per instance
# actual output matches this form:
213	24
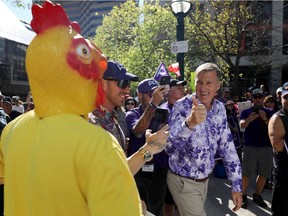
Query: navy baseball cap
257	91
175	82
117	71
147	85
7	100
285	89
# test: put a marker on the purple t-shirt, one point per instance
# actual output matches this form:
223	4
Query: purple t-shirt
256	134
132	116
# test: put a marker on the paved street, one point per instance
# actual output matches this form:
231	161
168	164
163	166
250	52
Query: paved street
219	203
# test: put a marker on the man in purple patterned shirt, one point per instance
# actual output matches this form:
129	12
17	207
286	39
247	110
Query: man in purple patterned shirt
198	128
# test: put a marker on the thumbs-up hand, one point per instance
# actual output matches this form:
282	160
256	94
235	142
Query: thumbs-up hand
198	114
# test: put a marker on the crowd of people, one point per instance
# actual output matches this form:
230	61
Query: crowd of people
260	138
203	131
198	125
199	128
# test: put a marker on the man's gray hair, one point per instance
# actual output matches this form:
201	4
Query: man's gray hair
208	67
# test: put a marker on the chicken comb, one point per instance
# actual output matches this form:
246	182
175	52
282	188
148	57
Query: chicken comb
49	16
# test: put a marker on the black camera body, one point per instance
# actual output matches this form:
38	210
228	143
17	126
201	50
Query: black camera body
165	80
160	118
255	109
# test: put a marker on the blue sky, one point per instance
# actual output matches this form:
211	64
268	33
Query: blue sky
24	14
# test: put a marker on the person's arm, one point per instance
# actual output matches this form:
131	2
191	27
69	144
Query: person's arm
231	161
144	121
245	122
28	98
237	200
183	121
155	143
263	116
3	121
276	133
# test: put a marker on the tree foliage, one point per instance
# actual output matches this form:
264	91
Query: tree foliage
216	28
140	37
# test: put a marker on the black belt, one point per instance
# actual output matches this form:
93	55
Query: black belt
194	179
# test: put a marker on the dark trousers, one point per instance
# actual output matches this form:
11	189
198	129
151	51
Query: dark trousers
280	197
1	200
152	189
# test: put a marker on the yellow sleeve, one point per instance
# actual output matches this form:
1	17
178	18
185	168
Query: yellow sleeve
118	194
1	165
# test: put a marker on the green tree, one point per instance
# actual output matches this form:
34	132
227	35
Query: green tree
216	32
138	36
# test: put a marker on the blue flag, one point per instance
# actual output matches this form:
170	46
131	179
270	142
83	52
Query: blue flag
161	71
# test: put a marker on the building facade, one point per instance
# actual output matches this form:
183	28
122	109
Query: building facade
14	40
87	13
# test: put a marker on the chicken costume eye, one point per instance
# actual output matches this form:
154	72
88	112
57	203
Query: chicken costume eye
83	51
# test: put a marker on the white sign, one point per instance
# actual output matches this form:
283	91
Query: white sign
179	47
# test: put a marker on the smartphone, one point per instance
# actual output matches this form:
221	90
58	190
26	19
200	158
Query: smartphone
160	118
165	80
255	109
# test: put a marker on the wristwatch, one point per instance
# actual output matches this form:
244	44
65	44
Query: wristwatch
146	155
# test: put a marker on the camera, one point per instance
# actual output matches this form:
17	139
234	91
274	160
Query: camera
165	80
255	109
160	118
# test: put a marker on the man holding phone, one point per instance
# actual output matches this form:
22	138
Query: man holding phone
151	179
257	151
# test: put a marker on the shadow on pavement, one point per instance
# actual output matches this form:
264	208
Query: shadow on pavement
219	202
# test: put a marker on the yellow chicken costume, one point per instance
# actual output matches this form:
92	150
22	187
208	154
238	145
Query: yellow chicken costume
52	161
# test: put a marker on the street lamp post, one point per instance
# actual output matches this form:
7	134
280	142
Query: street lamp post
180	9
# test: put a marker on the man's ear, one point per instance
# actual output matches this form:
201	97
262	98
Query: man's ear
219	85
139	96
105	85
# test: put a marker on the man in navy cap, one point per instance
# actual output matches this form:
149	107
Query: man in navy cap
116	85
257	152
151	179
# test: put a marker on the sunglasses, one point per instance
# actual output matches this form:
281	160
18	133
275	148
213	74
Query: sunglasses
121	83
257	97
150	93
285	97
130	104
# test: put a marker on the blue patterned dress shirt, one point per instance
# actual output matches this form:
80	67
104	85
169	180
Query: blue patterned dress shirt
191	151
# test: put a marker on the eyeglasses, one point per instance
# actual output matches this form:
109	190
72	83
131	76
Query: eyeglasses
130	104
257	97
269	102
121	83
150	93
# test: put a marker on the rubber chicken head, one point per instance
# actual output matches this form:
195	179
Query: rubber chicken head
64	69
